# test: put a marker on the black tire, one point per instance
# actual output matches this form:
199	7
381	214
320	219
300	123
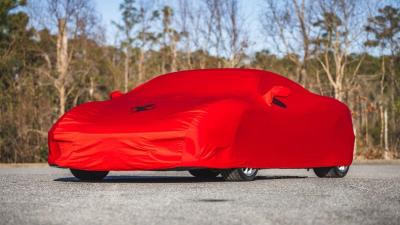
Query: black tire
204	173
239	174
85	175
331	172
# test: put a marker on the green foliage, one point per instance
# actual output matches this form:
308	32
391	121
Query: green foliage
11	24
385	29
13	37
130	18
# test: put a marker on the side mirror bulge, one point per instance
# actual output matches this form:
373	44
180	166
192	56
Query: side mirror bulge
276	91
115	94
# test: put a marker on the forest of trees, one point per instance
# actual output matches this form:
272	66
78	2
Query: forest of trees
54	55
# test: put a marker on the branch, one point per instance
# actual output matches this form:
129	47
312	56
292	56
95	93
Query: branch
42	133
326	69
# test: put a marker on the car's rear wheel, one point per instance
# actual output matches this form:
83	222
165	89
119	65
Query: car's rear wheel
240	174
86	175
204	173
333	172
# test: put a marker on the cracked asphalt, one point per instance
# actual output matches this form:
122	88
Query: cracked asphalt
369	194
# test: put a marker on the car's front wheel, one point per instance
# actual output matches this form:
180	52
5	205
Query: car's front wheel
86	175
333	172
204	173
240	174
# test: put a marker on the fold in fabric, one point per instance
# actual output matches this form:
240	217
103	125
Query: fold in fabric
215	118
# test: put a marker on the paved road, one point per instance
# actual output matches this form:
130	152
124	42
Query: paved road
370	194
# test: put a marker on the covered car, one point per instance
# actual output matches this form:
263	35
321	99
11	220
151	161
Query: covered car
210	122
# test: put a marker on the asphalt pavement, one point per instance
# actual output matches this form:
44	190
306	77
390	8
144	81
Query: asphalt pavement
369	194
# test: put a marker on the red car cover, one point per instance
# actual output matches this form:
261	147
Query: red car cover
214	118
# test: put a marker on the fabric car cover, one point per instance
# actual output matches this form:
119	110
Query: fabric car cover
214	118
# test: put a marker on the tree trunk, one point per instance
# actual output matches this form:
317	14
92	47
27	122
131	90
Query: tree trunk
62	63
91	88
174	55
163	56
62	99
366	125
188	56
386	139
140	66
382	122
202	62
126	69
338	91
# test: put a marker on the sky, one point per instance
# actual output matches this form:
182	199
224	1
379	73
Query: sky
109	11
251	13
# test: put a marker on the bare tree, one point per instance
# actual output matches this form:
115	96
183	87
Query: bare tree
201	30
72	19
185	13
338	30
227	34
214	16
385	31
235	33
62	63
145	37
130	18
288	24
170	37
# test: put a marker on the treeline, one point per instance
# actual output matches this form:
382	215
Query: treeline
54	55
